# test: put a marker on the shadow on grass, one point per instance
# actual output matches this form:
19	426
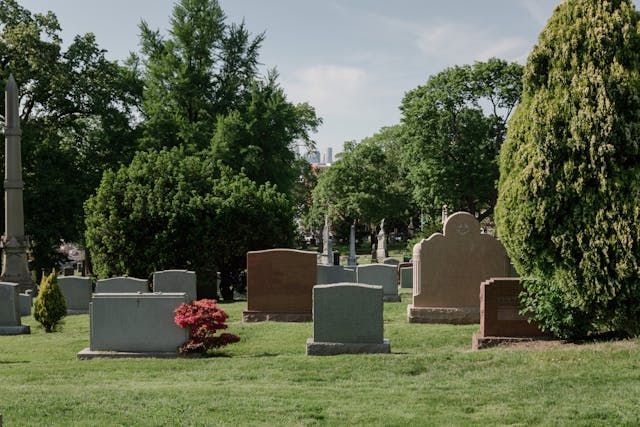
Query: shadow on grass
599	338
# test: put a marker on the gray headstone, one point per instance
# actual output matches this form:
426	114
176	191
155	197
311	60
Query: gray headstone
77	293
380	275
353	258
328	274
176	281
406	277
10	321
390	261
26	302
136	322
347	313
121	285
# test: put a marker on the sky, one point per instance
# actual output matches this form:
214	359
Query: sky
352	60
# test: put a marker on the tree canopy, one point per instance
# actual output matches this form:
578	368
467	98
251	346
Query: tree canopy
568	210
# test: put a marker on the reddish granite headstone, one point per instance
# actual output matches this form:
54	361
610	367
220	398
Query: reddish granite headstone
280	285
500	318
448	268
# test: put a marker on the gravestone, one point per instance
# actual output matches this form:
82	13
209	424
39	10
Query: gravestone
279	285
353	258
10	321
382	252
391	261
134	325
327	244
406	277
328	274
347	318
26	302
500	318
380	275
448	269
176	281
77	293
121	285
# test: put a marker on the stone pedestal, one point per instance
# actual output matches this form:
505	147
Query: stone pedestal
449	315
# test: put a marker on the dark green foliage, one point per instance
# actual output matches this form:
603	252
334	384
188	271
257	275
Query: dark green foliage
170	210
76	116
452	144
50	306
569	192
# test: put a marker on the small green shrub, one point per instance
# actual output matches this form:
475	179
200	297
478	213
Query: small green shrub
50	306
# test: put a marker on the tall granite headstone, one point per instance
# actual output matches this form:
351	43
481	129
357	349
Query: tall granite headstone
14	242
382	252
353	258
327	244
10	321
448	269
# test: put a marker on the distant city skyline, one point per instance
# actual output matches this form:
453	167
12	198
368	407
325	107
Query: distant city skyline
351	60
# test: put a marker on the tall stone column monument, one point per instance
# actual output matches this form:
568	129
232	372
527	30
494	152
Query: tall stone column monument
14	243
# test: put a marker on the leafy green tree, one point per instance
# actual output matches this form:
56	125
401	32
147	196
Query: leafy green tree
202	70
452	144
568	210
171	210
365	184
77	112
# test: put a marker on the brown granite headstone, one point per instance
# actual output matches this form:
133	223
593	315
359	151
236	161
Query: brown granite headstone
500	318
448	269
280	285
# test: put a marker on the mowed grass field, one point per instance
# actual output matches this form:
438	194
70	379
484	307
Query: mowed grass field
431	377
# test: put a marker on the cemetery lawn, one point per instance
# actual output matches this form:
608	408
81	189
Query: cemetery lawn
432	377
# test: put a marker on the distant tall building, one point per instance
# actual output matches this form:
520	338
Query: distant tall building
329	158
313	156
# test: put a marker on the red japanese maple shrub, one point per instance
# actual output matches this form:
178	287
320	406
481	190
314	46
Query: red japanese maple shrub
204	318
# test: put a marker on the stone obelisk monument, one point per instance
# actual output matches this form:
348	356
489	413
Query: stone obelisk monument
14	243
353	258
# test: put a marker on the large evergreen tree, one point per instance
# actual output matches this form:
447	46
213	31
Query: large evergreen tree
569	192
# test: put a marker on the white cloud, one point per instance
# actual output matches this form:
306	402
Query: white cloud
329	88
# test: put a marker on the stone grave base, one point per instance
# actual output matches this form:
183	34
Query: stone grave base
15	330
333	348
391	298
270	316
449	315
478	342
88	354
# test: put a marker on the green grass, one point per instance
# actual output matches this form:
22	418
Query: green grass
432	377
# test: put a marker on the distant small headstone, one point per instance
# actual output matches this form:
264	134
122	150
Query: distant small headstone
279	285
26	302
176	281
406	277
10	320
390	261
328	274
448	268
500	318
347	318
77	293
121	285
380	275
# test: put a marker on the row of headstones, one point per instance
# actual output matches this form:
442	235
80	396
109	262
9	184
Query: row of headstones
383	275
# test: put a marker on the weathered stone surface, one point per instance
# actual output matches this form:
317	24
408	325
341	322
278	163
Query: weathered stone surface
176	281
126	322
77	293
448	270
328	274
500	320
406	277
380	275
280	284
347	318
121	285
26	302
10	321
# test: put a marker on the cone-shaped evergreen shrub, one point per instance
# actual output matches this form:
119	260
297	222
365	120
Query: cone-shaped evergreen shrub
569	192
50	306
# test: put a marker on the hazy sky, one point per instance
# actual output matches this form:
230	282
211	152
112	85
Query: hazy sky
353	60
